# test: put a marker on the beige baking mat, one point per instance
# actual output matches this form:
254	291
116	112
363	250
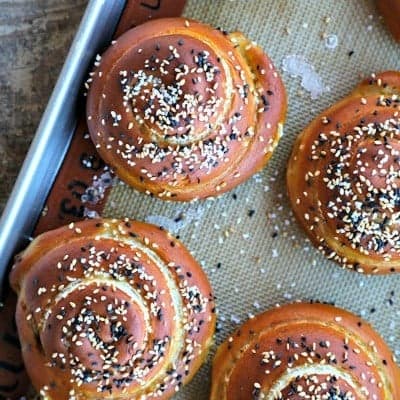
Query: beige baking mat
247	240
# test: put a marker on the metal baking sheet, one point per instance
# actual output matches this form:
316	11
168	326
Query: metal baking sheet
247	241
55	131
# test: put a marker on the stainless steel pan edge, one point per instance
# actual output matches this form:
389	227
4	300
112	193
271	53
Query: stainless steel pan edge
53	136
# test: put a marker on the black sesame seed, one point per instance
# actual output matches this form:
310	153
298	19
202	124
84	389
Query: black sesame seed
264	100
178	218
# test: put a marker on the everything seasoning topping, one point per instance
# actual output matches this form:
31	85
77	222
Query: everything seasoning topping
295	353
359	174
171	107
112	309
364	175
180	109
179	100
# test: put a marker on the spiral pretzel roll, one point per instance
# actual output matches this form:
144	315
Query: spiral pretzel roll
305	351
184	111
343	178
111	309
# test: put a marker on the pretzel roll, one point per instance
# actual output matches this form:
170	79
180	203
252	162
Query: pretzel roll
184	111
305	351
343	178
111	309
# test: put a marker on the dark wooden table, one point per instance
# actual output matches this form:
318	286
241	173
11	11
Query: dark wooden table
35	36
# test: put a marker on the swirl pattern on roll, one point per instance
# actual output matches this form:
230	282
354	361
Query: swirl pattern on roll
183	111
305	351
343	177
111	309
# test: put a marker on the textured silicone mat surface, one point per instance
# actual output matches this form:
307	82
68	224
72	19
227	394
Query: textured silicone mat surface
247	240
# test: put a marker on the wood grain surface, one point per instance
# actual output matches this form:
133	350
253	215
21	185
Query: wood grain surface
35	36
14	381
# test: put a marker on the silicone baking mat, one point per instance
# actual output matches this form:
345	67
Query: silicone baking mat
247	240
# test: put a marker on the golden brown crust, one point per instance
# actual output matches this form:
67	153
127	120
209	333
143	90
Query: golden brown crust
183	111
111	309
343	177
390	10
305	349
